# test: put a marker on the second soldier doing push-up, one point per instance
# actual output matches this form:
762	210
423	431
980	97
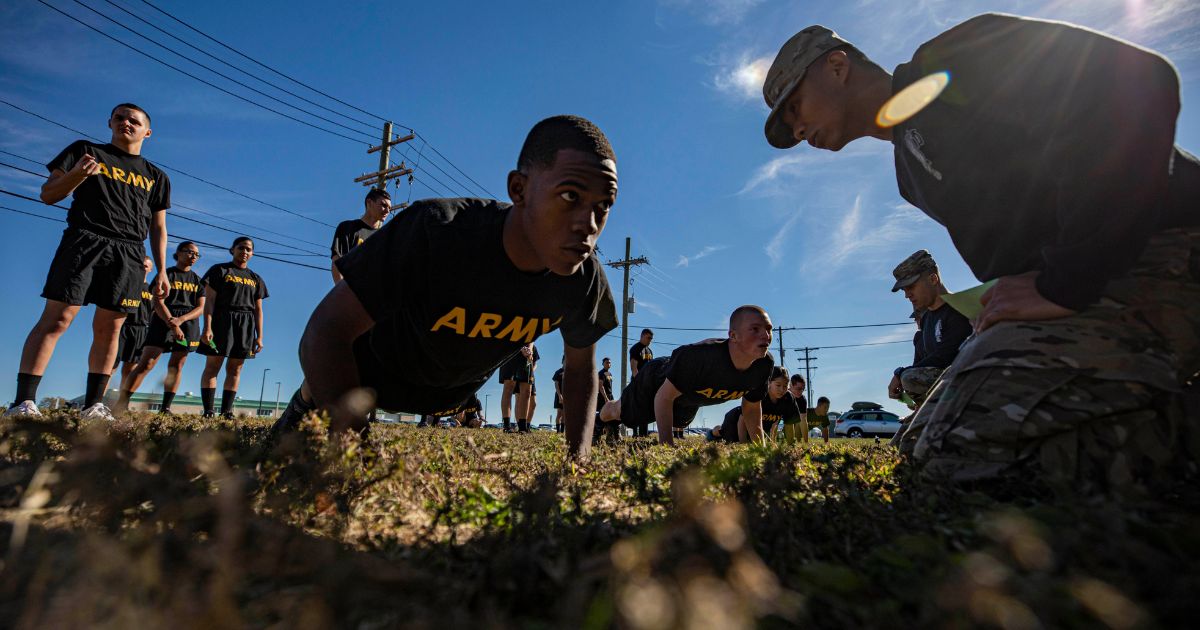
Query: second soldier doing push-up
670	390
451	288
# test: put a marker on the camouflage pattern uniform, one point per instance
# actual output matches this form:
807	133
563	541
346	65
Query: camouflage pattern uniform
1108	396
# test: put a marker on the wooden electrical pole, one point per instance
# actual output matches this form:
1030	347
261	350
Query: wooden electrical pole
625	265
808	370
379	179
780	329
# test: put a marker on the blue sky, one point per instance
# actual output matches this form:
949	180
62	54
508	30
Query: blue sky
676	84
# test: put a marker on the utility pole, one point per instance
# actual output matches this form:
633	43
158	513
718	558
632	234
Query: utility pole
379	179
808	369
780	329
625	265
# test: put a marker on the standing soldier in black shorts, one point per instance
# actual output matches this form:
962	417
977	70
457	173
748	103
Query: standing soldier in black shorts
670	390
350	234
117	198
175	328
516	378
451	288
133	332
233	324
640	354
558	400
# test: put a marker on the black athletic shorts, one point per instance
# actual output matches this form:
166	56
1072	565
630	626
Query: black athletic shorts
558	403
129	344
509	367
637	399
233	334
91	269
160	335
396	395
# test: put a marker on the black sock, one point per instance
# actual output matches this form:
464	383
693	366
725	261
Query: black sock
27	385
507	423
522	425
168	398
227	396
96	384
207	395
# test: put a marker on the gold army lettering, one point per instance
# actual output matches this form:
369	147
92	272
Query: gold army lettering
131	178
519	329
190	287
130	302
721	394
240	280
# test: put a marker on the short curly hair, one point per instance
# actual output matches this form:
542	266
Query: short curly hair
553	134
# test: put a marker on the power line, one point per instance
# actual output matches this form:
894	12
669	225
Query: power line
845	327
172	168
439	153
259	63
858	345
175	204
217	72
185	72
249	74
179	216
178	236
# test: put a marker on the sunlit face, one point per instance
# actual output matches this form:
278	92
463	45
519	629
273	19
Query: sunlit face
797	389
777	388
816	109
822	407
187	256
147	265
566	206
924	292
647	338
751	334
242	252
607	363
379	209
129	125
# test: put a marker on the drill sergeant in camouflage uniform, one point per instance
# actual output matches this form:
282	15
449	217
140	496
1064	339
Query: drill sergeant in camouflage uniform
941	328
1050	160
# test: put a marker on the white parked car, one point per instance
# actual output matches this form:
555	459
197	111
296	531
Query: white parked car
856	424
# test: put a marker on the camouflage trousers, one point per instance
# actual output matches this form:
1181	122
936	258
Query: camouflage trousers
1107	396
917	381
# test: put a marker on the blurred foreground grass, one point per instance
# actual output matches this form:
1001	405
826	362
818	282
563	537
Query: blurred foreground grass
152	522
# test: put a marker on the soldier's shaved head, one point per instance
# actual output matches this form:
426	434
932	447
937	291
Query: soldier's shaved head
739	313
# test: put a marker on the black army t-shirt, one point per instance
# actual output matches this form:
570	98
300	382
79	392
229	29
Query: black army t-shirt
942	331
348	235
606	383
786	409
186	290
448	304
704	374
639	354
238	290
117	201
145	309
558	380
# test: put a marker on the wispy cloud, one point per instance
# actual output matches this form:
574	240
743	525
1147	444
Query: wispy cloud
861	240
714	12
743	78
775	247
684	261
771	178
897	333
656	309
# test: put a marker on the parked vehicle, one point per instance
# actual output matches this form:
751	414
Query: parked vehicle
867	423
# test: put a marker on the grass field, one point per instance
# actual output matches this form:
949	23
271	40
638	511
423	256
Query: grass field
151	522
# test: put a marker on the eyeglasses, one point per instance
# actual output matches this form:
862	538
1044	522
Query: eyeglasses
188	252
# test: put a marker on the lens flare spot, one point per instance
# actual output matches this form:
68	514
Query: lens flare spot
908	102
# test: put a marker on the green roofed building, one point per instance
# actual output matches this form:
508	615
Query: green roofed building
189	403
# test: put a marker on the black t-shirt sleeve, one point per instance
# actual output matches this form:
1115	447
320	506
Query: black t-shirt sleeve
762	372
212	277
1104	111
341	241
681	369
261	293
160	195
390	267
536	356
596	316
955	330
634	353
66	159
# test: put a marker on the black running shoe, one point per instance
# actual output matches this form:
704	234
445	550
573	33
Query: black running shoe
295	411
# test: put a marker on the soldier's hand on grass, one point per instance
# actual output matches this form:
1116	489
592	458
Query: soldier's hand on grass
1016	298
895	388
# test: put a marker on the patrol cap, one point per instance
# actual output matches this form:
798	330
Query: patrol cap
911	269
786	72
